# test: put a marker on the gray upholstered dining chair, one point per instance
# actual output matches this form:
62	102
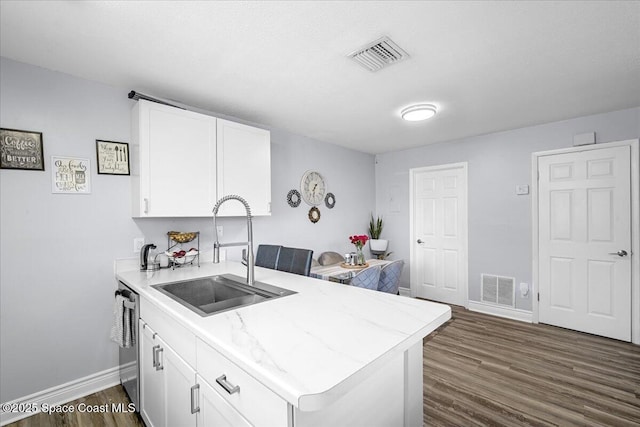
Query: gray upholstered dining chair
294	260
330	258
267	256
367	278
390	277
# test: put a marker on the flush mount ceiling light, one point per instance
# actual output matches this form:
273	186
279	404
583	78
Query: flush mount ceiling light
416	113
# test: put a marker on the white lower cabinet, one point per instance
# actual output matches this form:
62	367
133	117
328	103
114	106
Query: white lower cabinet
168	383
180	403
218	392
152	379
251	399
173	394
214	410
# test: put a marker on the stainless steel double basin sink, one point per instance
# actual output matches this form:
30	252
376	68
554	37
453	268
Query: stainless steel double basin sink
211	295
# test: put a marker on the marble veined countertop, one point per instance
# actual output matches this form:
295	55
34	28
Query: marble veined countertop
310	348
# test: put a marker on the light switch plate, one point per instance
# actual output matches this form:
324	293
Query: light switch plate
524	289
522	189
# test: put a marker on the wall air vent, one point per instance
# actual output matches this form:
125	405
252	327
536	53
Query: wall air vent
498	290
379	54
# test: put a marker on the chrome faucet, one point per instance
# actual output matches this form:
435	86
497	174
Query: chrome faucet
249	243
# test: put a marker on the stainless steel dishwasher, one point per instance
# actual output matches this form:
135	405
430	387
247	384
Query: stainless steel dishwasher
129	365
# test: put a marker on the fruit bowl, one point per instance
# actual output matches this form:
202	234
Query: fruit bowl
182	257
180	237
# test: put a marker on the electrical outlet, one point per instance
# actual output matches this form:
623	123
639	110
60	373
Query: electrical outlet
138	243
524	289
219	230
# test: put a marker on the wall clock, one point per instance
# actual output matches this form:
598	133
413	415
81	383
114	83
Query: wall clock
330	200
313	188
293	198
314	215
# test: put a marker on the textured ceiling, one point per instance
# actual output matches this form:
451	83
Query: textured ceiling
488	66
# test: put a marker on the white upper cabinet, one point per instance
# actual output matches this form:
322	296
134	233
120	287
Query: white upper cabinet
181	163
244	168
175	152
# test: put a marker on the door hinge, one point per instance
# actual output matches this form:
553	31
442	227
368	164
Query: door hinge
538	296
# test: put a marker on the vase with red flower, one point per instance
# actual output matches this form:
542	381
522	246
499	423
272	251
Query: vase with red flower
359	241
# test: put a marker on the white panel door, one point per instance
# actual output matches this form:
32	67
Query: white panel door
439	234
585	241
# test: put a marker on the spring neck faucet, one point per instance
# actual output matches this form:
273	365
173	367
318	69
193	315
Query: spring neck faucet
249	243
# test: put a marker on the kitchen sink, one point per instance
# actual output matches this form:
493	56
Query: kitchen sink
211	295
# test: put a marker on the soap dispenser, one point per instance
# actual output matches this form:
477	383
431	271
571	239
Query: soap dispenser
148	258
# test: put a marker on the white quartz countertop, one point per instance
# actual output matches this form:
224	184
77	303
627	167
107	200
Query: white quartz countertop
310	348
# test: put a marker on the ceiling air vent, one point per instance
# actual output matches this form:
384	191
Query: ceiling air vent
379	54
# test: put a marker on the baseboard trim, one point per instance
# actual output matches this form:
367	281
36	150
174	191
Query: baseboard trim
61	394
507	312
405	292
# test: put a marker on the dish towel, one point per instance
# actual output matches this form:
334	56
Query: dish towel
122	329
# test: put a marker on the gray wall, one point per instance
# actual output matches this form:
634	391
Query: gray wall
499	220
57	251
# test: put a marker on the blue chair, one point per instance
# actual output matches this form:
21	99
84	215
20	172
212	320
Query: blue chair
294	260
267	256
367	278
390	277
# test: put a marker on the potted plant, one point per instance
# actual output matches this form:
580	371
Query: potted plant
376	244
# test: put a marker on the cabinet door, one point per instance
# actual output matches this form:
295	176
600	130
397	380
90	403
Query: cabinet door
244	167
151	379
177	161
215	411
179	380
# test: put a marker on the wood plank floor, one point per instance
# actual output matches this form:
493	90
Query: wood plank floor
85	419
485	370
481	370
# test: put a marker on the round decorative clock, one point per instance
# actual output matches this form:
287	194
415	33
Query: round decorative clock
330	200
314	215
313	188
293	198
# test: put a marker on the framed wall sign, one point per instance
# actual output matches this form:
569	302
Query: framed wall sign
21	149
70	175
113	157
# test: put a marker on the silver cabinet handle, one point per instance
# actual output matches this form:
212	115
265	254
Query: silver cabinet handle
230	388
419	241
195	389
154	352
620	253
159	366
146	205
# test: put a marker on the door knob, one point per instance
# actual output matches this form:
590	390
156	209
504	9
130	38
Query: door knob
620	253
420	241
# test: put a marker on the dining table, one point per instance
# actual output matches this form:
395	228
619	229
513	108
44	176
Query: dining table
341	272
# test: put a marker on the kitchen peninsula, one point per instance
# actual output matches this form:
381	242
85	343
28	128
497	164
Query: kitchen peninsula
327	355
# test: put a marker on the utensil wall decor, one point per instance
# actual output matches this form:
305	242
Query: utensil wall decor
113	157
